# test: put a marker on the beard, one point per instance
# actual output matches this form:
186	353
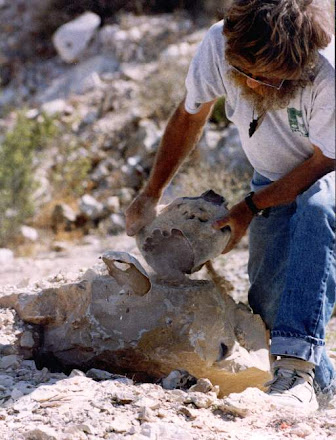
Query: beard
267	98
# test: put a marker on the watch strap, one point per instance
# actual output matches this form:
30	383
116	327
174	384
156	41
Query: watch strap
253	208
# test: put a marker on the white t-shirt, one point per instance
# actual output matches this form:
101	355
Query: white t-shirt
285	138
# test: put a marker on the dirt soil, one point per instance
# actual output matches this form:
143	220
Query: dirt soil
40	405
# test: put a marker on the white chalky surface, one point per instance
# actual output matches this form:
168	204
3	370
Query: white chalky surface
39	405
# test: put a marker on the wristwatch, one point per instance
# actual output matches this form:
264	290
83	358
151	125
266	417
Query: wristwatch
252	207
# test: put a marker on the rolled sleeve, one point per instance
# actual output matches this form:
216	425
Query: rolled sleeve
322	120
204	81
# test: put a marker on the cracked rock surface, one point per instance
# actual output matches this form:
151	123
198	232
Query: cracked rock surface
39	404
181	239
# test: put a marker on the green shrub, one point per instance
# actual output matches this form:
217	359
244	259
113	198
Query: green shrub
18	154
218	116
72	165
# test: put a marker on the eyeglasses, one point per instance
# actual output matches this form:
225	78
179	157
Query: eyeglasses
276	84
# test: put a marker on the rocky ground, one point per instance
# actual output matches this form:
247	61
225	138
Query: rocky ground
110	103
39	405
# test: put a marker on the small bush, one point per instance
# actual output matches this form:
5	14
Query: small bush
71	168
218	116
17	166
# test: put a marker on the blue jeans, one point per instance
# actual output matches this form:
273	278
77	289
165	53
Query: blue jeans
292	273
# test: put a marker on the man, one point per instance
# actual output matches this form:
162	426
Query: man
279	93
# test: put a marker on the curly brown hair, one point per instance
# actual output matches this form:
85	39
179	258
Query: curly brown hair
278	38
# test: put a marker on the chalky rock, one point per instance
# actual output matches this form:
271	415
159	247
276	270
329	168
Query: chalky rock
71	39
95	322
181	238
127	271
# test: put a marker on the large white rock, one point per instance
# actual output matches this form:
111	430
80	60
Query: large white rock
111	323
90	207
28	233
71	39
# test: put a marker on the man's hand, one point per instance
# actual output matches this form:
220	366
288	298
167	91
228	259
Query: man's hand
140	213
238	219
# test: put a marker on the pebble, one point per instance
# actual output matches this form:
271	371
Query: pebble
147	403
123	398
302	430
42	433
27	340
146	415
10	361
202	386
201	400
189	412
120	424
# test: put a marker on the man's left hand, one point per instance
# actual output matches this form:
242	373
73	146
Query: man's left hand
238	219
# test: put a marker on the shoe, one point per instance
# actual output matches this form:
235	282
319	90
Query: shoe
292	384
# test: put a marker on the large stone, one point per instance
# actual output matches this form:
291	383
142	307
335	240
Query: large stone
96	322
71	39
181	239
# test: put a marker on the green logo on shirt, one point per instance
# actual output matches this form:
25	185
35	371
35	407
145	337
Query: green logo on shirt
296	122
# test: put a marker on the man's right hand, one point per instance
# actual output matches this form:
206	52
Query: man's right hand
140	213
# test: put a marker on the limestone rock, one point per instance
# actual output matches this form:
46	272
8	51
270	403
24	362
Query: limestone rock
100	375
178	379
42	433
95	323
28	234
181	238
27	340
128	272
202	386
165	431
6	255
71	39
79	79
10	361
113	204
57	106
90	207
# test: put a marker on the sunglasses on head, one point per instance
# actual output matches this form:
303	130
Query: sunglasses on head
276	83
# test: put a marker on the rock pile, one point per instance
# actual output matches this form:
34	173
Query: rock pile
96	405
115	324
113	101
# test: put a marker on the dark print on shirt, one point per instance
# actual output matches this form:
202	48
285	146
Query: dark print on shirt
296	121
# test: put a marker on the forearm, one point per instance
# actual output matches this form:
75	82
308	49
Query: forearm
280	192
181	135
286	189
